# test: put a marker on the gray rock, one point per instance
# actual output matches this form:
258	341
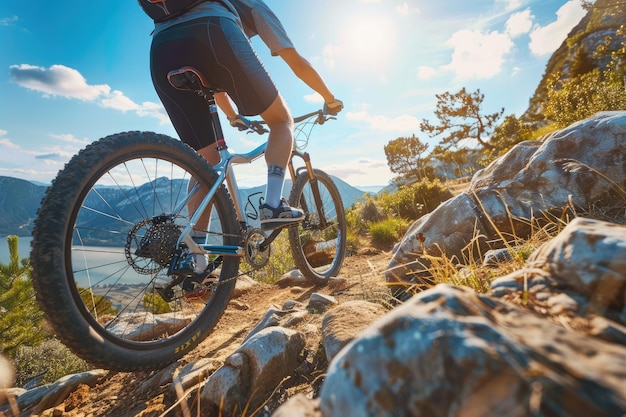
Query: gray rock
320	302
342	324
588	257
254	370
193	374
298	406
51	395
450	351
533	177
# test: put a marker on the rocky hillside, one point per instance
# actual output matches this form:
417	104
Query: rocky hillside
604	20
19	201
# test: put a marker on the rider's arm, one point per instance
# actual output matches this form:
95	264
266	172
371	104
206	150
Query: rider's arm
235	120
224	103
305	71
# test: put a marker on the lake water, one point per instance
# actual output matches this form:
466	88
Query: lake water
110	262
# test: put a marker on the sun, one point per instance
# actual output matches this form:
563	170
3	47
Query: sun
368	40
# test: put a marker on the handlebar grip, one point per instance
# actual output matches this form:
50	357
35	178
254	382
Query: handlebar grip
333	108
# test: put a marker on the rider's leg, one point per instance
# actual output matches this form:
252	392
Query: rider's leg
212	156
279	145
274	211
199	232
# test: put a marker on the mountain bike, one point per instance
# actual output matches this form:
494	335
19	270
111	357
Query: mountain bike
115	242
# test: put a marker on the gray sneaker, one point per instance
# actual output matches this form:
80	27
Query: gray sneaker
283	215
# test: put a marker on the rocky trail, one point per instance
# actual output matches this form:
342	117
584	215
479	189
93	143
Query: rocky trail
137	394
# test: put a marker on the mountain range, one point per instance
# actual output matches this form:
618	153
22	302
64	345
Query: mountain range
20	200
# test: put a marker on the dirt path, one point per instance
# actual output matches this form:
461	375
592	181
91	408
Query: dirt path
123	394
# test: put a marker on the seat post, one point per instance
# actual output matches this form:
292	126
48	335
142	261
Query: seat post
217	125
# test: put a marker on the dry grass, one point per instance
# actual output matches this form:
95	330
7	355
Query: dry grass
470	271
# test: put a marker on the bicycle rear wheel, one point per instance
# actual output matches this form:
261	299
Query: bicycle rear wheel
105	236
318	243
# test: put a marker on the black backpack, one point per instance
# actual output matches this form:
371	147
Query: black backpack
161	10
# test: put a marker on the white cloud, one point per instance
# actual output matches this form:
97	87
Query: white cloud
402	123
426	73
478	54
519	23
155	110
54	158
315	98
118	101
59	80
71	139
8	21
6	143
362	171
547	39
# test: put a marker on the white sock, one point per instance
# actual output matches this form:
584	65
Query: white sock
275	182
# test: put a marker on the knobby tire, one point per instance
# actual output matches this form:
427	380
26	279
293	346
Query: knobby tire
68	242
318	251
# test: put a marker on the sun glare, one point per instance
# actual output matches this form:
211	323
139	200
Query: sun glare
368	41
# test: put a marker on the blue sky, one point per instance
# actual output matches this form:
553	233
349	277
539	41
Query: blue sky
72	72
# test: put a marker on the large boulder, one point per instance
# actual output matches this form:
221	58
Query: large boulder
567	170
253	371
451	351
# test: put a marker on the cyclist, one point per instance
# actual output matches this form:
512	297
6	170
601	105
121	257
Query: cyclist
213	38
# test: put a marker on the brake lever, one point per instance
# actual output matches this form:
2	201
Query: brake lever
257	127
321	118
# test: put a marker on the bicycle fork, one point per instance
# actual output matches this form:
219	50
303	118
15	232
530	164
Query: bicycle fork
314	185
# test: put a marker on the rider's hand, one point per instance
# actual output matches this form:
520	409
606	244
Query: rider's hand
240	122
333	107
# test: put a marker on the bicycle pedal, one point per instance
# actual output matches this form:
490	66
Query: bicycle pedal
200	289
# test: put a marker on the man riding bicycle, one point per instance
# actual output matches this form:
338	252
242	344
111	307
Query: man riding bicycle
212	37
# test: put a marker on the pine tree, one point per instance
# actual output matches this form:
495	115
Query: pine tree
20	316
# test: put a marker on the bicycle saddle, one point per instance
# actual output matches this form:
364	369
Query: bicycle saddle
189	78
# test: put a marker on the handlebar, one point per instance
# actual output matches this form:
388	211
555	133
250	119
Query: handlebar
244	124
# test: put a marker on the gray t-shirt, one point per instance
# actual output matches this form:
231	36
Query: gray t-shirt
254	16
259	19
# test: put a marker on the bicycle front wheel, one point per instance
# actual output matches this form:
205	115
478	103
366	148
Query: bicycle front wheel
318	243
104	240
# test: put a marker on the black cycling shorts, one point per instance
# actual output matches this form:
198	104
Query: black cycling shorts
220	50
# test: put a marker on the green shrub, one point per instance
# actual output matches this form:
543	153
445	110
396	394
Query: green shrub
51	358
387	232
413	201
155	304
353	242
363	212
370	211
96	304
280	261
